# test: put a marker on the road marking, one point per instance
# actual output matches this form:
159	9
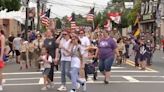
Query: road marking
99	76
114	71
130	79
92	82
41	81
132	64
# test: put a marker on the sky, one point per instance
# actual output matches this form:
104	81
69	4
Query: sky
60	8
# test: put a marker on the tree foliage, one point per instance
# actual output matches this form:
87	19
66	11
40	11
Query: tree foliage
134	12
10	5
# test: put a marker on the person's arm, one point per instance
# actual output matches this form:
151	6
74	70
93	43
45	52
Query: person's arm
2	47
58	39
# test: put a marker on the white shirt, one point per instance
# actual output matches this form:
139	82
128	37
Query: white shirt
85	42
75	62
64	43
17	43
48	63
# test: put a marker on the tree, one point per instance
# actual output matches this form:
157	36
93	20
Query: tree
134	12
58	23
10	5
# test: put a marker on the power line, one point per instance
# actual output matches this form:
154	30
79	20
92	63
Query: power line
83	6
88	3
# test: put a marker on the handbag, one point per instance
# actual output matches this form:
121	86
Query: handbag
2	64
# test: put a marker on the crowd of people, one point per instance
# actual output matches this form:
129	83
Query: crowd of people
76	54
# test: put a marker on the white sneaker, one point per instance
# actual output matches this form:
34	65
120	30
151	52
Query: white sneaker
72	91
44	88
78	86
62	88
1	88
84	87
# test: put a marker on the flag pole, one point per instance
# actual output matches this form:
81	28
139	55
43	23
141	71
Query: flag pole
93	23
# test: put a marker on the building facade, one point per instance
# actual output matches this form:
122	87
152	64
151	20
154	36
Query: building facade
10	26
162	17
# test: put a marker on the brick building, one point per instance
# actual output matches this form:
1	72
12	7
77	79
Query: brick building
10	26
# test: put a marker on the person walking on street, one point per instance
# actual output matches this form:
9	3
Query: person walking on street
51	45
64	46
17	45
47	60
142	54
2	47
10	40
85	42
107	48
76	64
38	44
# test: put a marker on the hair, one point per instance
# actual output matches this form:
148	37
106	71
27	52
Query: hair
47	51
19	35
2	32
119	39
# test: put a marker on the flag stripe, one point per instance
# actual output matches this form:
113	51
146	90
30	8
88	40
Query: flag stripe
45	18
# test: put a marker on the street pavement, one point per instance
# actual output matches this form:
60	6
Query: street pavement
125	78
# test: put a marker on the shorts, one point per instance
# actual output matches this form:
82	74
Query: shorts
143	57
106	64
17	52
23	56
46	71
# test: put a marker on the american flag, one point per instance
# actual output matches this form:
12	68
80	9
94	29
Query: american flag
69	18
73	22
107	25
115	16
90	16
45	18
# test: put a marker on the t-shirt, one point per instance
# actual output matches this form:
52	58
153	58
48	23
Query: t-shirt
142	49
85	42
75	62
51	45
106	48
17	43
48	63
64	55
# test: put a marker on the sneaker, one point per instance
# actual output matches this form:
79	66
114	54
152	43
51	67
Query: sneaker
78	86
72	91
44	88
1	88
62	88
50	86
106	82
84	86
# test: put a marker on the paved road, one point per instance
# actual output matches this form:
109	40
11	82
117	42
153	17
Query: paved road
125	78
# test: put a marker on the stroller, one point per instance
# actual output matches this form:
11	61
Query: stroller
91	68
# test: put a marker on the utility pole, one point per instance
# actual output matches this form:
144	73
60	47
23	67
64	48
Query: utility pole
26	21
38	14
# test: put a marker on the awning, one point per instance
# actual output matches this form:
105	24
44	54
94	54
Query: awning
147	21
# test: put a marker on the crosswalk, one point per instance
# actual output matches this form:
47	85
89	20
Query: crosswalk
119	75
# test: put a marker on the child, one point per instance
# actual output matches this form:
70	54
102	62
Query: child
76	64
47	60
5	56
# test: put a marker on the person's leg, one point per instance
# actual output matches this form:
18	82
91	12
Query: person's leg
74	76
108	64
51	74
85	71
63	73
1	78
67	69
102	66
136	60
